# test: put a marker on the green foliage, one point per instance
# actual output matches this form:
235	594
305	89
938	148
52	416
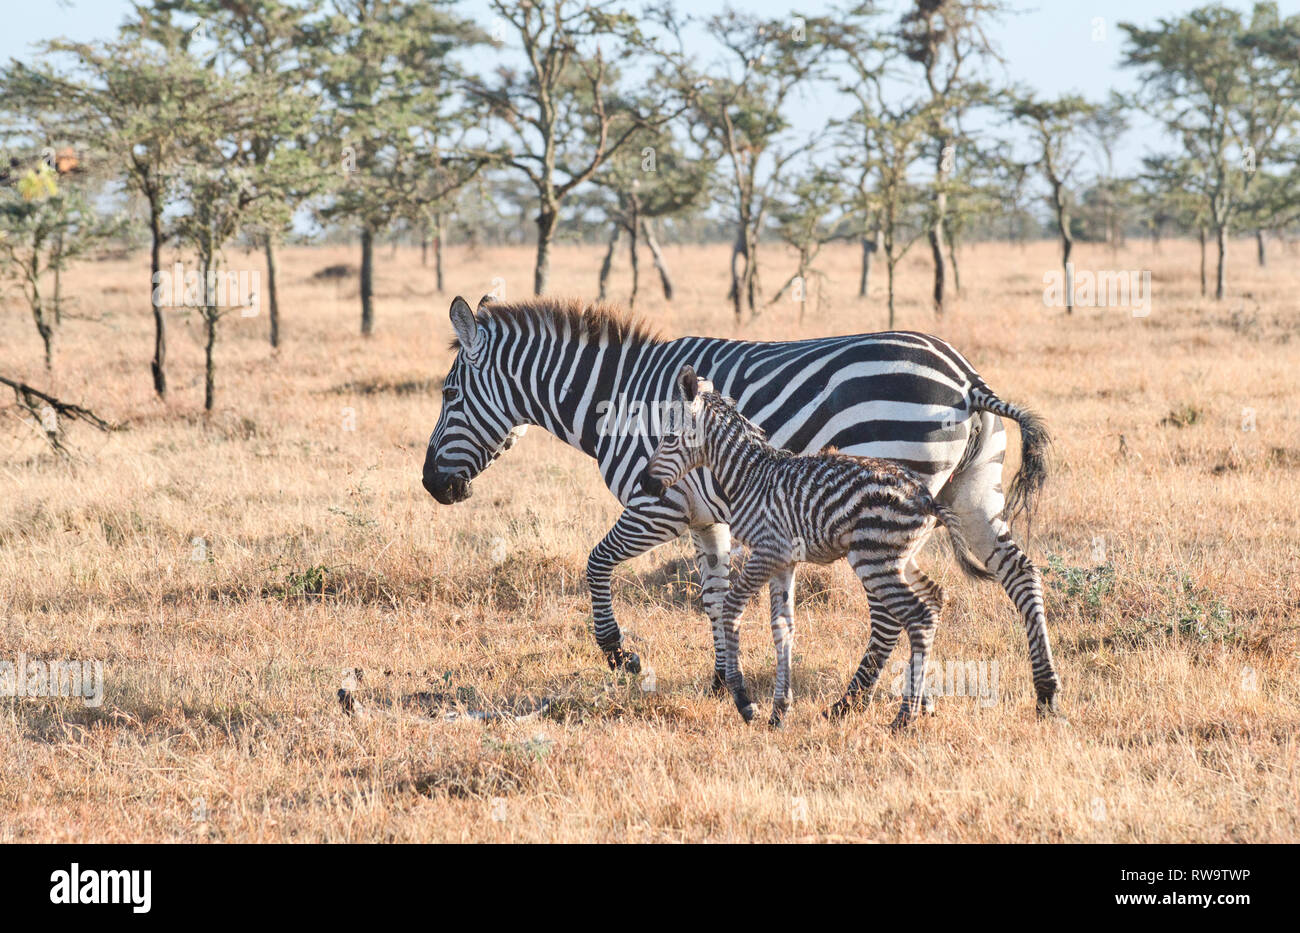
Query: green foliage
1088	585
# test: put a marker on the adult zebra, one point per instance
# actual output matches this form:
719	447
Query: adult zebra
582	371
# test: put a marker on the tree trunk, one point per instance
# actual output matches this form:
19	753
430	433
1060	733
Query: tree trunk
657	255
210	341
209	364
936	230
424	248
59	277
274	302
609	260
636	266
1221	236
1259	247
45	329
956	270
868	247
1067	241
737	281
890	270
546	219
437	253
1203	236
367	282
159	320
804	262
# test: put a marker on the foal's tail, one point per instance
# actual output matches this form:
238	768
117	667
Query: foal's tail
960	548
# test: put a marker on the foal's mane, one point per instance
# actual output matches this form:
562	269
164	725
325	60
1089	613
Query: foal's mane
580	318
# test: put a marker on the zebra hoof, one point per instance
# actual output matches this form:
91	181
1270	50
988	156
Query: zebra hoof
719	686
844	705
777	719
1049	707
745	705
901	721
618	659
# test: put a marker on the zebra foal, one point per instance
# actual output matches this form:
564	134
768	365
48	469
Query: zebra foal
818	507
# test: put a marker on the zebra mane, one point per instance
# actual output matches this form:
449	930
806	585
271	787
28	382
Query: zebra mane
593	319
727	411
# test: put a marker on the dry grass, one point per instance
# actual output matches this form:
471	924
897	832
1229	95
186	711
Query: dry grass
221	672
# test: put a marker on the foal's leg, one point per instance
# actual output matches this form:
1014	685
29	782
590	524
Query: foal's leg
757	571
713	555
781	593
921	620
884	635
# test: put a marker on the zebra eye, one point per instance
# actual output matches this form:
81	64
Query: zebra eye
449	394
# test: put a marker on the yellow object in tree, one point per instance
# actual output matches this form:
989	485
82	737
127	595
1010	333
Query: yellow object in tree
38	184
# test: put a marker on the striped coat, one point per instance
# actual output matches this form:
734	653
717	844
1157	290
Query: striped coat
600	382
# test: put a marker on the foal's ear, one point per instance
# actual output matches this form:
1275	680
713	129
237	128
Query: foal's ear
688	384
468	332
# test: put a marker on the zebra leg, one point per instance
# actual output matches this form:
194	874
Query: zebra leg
1024	584
758	570
781	593
713	554
884	635
933	596
975	494
921	622
633	534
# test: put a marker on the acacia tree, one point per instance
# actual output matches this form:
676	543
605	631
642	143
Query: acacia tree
1054	125
389	81
224	191
646	180
946	39
131	100
737	115
1225	88
45	228
562	111
808	215
1107	125
1166	189
896	139
265	40
854	35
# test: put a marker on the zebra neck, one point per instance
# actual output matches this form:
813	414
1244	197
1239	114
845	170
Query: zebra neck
737	460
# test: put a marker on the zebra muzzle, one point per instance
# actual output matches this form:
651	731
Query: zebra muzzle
651	486
447	488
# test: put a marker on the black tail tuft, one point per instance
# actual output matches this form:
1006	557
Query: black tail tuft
1022	492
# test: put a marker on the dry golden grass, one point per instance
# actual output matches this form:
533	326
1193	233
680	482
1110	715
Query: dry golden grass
220	720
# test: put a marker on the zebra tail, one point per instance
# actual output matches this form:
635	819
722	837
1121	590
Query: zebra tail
960	548
1022	493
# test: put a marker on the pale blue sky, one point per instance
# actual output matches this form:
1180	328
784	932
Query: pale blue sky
1049	46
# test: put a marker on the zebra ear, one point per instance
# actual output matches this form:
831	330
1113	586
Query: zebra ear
485	300
688	384
468	332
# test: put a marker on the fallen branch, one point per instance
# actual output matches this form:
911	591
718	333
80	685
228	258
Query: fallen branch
38	403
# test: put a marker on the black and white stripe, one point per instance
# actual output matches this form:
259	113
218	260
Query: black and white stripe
578	370
819	507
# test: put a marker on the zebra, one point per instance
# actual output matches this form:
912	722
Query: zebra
579	371
817	507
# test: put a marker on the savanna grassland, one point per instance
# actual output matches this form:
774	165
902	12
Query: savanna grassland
1169	535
